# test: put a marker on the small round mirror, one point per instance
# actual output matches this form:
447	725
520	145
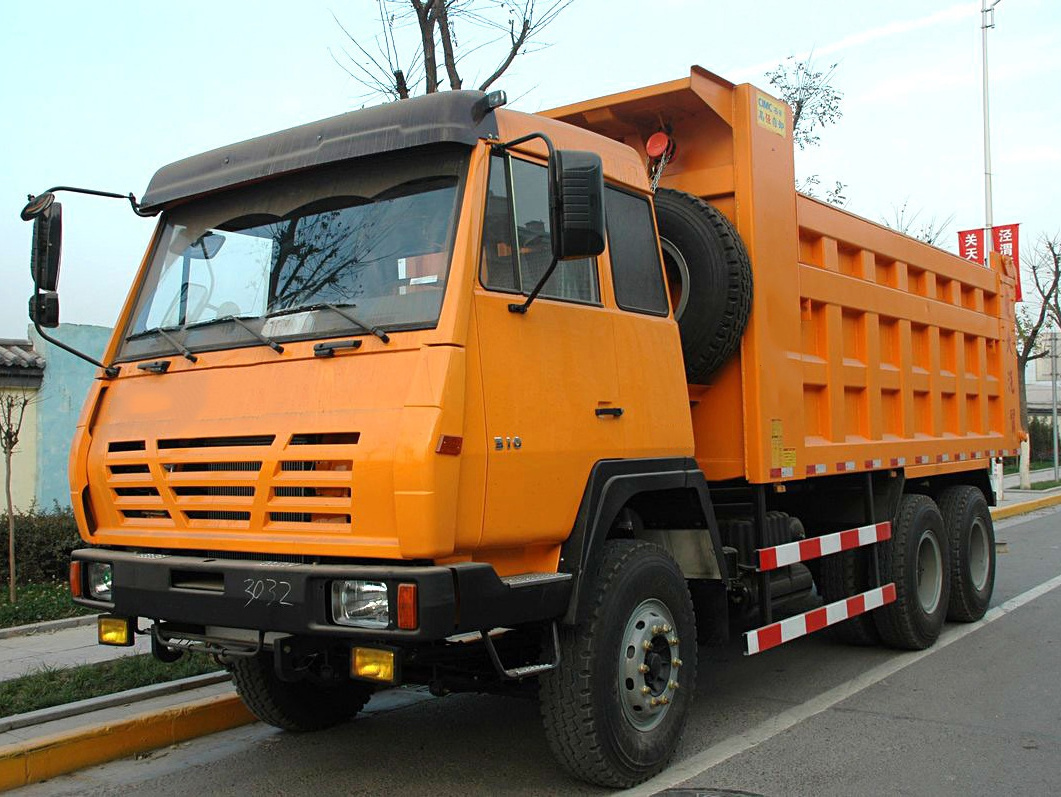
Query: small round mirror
36	206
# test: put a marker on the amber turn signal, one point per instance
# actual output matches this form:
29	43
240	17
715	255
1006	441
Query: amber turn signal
75	579
116	631
407	619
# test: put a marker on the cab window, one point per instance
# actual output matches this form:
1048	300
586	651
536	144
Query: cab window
636	270
517	246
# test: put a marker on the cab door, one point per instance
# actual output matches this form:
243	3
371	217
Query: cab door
549	375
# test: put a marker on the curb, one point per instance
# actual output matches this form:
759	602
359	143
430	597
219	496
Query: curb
44	758
76	709
48	626
1002	512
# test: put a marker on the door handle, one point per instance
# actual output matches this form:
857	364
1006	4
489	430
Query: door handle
614	412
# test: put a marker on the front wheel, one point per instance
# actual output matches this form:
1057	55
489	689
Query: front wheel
295	706
616	706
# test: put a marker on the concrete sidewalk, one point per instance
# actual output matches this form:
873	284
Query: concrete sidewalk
68	647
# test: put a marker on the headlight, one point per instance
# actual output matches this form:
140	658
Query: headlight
360	603
99	581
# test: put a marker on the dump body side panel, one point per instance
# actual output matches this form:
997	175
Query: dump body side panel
865	348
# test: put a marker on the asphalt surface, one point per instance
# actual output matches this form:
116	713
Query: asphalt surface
978	714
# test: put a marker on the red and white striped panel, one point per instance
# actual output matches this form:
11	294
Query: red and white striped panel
814	547
770	636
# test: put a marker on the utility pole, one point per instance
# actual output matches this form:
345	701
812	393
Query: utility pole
987	20
1053	390
987	17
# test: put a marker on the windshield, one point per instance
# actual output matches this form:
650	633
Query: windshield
374	234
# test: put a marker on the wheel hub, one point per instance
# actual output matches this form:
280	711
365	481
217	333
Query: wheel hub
649	665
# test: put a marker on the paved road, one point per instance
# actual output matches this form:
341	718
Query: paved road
978	714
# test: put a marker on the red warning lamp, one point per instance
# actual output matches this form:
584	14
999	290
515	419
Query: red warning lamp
659	145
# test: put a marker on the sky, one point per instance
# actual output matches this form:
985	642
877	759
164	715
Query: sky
100	95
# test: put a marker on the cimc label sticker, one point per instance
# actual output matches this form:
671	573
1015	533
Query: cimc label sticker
771	114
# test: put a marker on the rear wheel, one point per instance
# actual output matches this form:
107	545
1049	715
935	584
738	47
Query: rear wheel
615	708
972	544
917	559
295	706
843	575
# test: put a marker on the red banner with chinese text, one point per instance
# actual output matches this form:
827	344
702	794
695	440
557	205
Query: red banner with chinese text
1005	239
971	245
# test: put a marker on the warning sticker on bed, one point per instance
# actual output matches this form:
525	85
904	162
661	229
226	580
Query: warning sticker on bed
771	114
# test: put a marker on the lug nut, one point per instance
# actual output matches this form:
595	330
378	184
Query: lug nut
666	629
646	645
645	690
657	630
672	685
642	668
672	641
676	663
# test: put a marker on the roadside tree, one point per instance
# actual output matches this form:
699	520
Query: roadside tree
13	406
416	47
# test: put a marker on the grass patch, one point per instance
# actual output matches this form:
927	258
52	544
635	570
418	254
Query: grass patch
39	602
1045	485
53	687
1037	464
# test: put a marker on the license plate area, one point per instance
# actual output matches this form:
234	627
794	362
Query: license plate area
266	587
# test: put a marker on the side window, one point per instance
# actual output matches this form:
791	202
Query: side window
636	270
517	246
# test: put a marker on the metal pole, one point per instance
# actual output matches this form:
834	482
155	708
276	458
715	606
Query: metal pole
987	19
1053	381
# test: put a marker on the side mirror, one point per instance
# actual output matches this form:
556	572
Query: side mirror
44	309
47	247
578	204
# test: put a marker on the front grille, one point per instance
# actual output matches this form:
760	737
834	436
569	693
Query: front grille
235	482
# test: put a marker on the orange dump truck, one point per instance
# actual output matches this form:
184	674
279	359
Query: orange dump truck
442	393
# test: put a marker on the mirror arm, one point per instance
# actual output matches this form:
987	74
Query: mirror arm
522	308
28	212
110	371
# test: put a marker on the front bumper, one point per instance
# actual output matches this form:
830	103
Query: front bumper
295	598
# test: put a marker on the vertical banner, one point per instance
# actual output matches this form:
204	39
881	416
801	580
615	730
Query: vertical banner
1006	239
971	245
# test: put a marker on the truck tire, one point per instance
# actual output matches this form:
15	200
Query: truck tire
295	706
613	710
843	575
972	548
917	560
710	278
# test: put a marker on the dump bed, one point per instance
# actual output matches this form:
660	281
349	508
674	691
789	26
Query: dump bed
865	348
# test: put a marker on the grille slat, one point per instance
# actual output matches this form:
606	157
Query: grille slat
214	482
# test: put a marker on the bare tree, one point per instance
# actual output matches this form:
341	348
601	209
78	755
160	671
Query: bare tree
1040	312
12	414
810	92
910	223
402	57
815	104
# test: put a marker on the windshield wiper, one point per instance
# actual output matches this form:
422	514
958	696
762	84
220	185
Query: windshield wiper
272	344
341	310
180	347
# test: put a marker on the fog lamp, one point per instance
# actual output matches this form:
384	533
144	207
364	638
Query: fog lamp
117	631
99	581
373	664
363	604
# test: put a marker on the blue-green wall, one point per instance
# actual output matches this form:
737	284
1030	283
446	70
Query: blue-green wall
66	383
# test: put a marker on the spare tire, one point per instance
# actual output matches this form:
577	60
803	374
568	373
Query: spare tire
710	278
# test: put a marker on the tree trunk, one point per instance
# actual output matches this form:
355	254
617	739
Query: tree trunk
10	529
1025	448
